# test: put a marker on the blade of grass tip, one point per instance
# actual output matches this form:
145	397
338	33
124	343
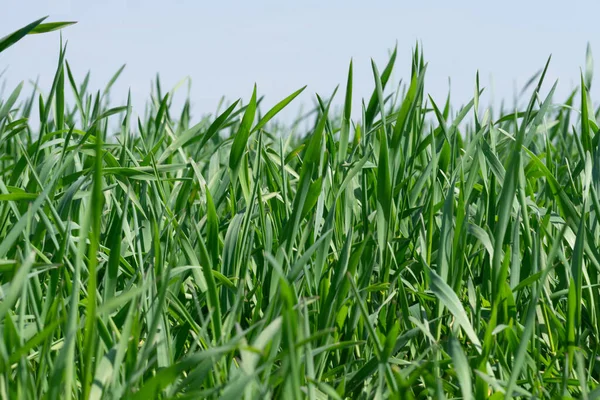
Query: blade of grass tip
530	81
109	112
586	140
59	100
215	126
96	206
407	107
112	80
125	132
379	91
46	110
476	103
241	138
373	104
589	66
14	96
50	27
77	96
17	35
345	129
161	114
446	112
276	109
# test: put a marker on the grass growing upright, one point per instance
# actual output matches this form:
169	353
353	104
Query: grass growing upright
414	252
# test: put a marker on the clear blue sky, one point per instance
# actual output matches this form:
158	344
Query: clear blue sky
226	46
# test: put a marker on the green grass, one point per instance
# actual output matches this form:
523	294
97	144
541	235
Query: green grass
413	252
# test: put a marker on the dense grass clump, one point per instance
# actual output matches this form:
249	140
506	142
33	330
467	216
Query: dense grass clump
413	252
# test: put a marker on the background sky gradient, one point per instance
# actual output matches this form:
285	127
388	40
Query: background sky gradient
226	46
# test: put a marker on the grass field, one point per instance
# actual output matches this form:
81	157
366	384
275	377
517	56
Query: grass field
414	252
